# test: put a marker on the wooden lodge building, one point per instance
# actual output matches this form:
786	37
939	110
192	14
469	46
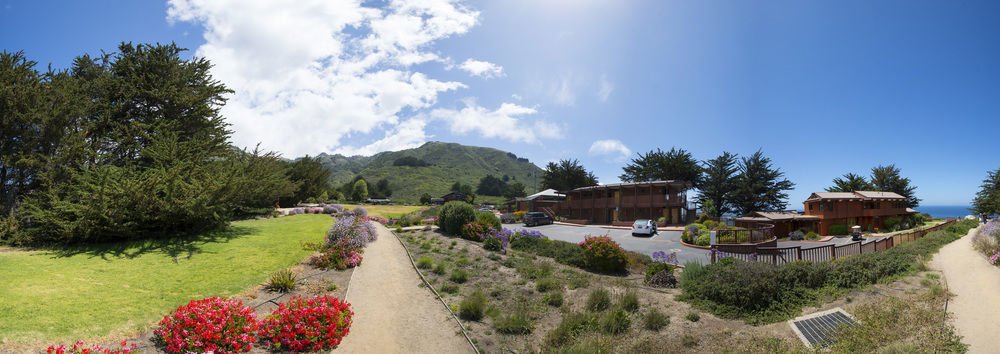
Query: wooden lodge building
546	201
624	203
867	209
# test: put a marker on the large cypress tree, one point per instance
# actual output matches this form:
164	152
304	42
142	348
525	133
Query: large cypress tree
889	179
567	175
850	182
718	183
759	186
131	145
987	201
676	164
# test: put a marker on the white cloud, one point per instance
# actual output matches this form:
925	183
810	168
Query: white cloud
612	148
483	69
310	74
506	122
562	91
406	135
516	97
606	88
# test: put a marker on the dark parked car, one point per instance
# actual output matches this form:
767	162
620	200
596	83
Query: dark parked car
536	218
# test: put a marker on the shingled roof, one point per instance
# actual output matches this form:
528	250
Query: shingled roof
858	195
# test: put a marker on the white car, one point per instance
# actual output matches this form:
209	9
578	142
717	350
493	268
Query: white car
644	227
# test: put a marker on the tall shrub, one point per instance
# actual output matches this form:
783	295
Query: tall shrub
454	215
604	254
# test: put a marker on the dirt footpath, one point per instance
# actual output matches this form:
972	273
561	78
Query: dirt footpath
976	285
392	314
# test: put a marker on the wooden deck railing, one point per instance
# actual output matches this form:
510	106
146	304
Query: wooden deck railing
764	232
826	253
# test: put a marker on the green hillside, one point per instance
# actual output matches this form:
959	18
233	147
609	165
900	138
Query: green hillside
447	163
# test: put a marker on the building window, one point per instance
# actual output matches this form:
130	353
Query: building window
810	207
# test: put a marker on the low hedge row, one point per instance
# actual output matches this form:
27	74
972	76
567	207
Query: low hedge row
762	292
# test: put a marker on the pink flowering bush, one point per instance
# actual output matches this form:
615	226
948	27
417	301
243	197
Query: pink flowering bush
81	348
379	220
313	324
604	254
476	231
209	325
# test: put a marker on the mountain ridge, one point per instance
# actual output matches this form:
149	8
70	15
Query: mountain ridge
447	163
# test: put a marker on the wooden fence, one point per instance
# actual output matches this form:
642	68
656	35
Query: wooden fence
826	253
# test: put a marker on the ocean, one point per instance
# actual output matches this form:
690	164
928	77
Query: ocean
945	211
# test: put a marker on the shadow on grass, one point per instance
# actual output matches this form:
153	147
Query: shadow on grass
174	247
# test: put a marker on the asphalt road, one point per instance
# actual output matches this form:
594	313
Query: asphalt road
668	241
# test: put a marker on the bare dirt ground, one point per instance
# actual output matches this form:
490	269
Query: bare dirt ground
976	285
392	313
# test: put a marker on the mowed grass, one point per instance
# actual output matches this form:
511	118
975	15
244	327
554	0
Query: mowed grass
387	211
59	296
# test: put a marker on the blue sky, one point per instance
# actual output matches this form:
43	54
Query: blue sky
822	87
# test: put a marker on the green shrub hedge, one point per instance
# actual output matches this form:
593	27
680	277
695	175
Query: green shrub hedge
762	292
454	215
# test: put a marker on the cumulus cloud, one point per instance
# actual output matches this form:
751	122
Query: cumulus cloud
309	74
483	69
612	148
506	122
606	88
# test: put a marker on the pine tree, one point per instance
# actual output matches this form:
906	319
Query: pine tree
718	183
759	186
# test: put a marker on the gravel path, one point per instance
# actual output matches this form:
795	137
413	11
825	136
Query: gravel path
392	314
976	285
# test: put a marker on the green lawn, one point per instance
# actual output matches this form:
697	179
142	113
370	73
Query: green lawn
69	294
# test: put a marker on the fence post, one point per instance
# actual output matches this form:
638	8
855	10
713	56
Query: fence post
713	251
799	249
833	252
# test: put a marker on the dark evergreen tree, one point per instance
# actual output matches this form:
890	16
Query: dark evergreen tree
676	164
514	190
759	186
987	201
311	177
382	189
850	182
490	185
889	179
718	183
567	175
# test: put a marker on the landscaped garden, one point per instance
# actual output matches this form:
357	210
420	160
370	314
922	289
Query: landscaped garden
523	292
116	291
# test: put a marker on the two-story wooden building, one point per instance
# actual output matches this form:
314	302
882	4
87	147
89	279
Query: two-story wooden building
865	208
626	202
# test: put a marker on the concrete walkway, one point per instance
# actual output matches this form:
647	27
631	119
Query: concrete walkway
976	285
392	314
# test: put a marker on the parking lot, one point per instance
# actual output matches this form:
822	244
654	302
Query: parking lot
668	241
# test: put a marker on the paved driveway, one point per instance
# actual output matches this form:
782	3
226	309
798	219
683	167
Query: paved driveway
668	241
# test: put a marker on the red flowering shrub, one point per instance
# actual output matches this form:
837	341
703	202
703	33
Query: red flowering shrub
213	324
316	323
80	348
604	254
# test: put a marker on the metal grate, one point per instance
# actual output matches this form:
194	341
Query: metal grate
816	330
